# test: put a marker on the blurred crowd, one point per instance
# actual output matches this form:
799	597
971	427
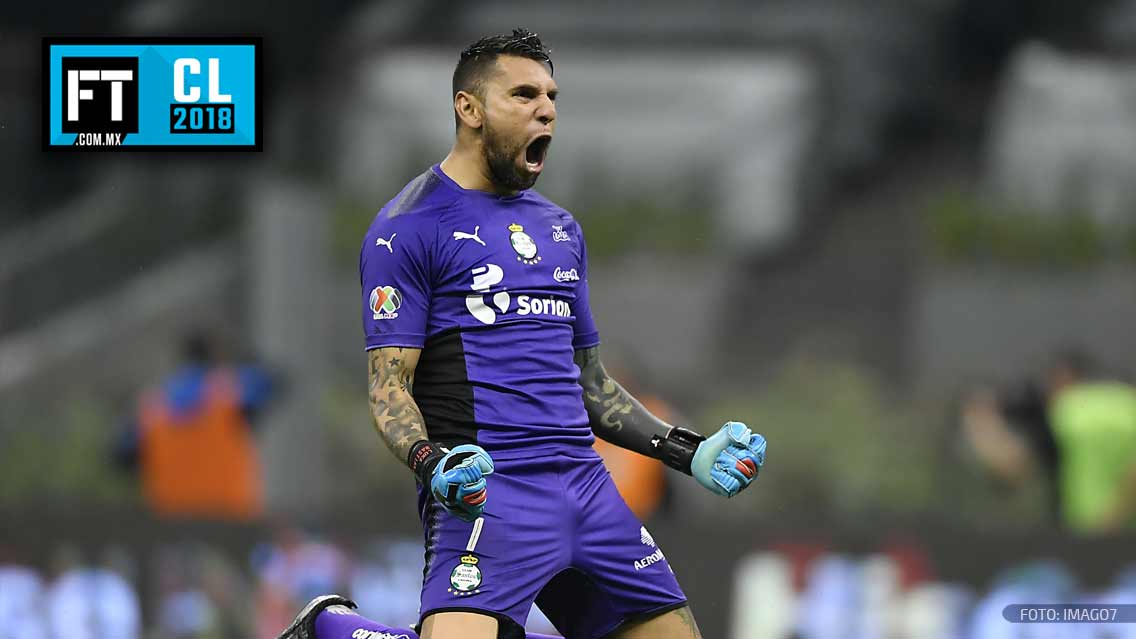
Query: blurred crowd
895	595
790	590
196	590
73	598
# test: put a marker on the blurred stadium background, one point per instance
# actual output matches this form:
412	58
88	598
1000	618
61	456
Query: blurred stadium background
832	219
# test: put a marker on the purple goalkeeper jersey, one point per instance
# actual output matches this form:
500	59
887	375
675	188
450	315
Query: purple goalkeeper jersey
494	291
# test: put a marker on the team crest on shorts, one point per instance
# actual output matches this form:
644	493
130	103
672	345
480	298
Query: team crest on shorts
466	577
523	244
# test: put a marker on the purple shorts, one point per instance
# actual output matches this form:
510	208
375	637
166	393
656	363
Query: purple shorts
555	531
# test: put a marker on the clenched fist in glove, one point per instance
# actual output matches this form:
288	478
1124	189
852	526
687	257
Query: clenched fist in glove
455	477
725	463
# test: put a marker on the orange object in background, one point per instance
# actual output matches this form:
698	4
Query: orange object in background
203	463
641	480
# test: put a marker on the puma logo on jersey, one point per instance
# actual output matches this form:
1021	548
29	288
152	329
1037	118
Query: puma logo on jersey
458	235
386	243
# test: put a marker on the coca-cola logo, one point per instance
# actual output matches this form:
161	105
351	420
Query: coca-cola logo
560	275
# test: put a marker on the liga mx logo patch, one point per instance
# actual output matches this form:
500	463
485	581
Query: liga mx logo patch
385	302
157	94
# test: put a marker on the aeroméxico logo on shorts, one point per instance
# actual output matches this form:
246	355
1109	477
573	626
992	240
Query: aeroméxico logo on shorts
156	94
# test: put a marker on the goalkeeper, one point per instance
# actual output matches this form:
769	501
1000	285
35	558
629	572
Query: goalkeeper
486	380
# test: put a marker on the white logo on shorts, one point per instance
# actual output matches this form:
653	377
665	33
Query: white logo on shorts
646	537
363	633
649	560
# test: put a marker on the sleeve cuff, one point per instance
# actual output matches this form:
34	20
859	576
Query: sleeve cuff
586	340
404	340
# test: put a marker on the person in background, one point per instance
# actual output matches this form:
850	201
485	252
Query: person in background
183	610
21	594
295	567
191	437
1076	426
198	593
1036	582
227	588
92	602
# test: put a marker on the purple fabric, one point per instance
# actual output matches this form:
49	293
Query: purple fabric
555	530
509	276
330	625
336	623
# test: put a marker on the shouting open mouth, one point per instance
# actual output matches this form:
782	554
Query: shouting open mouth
536	151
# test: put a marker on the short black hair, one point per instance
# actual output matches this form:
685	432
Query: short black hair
478	58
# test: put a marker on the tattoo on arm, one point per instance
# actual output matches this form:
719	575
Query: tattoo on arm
676	623
395	414
614	414
687	618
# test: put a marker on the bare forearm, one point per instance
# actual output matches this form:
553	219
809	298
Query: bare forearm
998	448
613	413
394	412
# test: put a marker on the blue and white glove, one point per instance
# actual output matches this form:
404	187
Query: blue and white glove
455	477
729	460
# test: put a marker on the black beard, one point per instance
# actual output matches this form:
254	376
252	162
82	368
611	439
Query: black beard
503	164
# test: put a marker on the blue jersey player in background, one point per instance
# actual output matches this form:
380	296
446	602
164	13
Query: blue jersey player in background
486	380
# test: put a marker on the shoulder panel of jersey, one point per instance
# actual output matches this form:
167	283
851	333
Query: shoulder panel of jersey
424	194
553	207
397	263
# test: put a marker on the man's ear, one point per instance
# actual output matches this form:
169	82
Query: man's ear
469	109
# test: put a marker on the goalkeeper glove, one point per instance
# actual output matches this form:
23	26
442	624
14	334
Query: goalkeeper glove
456	478
725	463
